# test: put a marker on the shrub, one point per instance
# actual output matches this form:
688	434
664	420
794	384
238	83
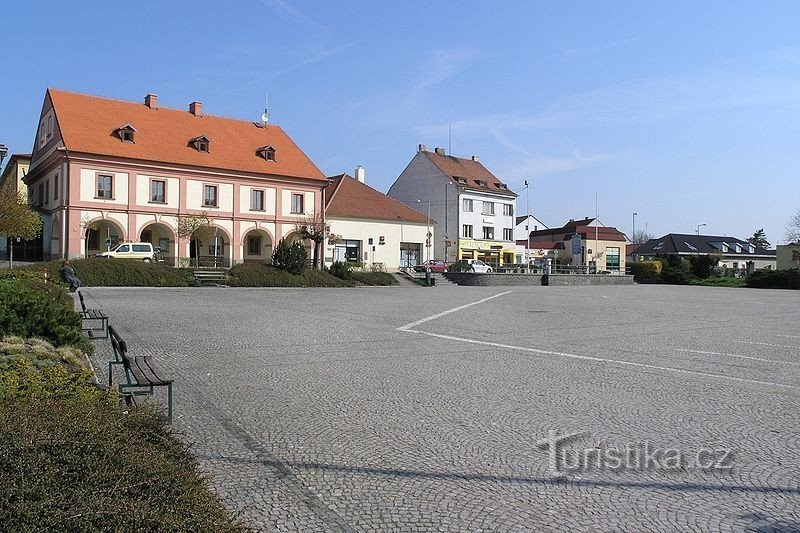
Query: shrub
703	265
377	267
252	275
374	278
341	270
646	270
291	257
775	279
70	459
29	308
97	272
40	353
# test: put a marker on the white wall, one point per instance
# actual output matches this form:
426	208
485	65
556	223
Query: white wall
143	190
286	202
270	196
194	196
119	187
393	232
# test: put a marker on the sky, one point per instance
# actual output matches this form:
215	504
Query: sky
684	112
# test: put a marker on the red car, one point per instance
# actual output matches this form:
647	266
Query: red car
436	265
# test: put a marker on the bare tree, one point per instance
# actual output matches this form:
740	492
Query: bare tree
793	228
641	237
195	227
17	219
314	229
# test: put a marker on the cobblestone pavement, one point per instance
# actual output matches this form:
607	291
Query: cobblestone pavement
370	409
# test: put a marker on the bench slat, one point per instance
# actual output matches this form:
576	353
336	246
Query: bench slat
150	364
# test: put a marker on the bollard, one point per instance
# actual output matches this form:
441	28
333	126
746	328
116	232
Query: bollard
45	276
428	276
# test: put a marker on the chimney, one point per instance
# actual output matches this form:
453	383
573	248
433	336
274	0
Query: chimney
151	101
476	158
422	148
361	174
440	151
196	109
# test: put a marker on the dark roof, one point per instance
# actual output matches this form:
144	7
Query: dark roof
349	198
469	174
584	229
683	243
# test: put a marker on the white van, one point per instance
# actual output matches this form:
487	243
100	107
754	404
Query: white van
131	250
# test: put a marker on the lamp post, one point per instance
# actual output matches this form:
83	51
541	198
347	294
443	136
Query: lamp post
528	225
428	231
447	185
699	226
633	231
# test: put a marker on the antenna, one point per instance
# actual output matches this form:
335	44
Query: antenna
265	116
450	138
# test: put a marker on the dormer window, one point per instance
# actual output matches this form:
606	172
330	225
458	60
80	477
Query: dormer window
502	186
266	152
460	179
126	133
482	184
201	144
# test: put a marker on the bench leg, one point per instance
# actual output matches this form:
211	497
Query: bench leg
110	375
169	403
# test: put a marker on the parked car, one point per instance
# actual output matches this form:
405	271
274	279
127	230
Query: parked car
473	265
143	251
436	265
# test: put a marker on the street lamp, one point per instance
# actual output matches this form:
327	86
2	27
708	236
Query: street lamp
3	153
633	231
699	226
446	224
428	228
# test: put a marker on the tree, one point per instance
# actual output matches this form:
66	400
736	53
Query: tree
17	219
793	228
313	228
641	237
759	239
290	256
195	227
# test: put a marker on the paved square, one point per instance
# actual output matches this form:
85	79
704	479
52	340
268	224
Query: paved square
376	409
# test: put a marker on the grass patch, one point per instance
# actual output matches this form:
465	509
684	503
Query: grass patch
96	272
69	458
720	282
373	278
253	275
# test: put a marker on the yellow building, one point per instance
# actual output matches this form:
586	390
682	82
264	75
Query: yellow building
788	256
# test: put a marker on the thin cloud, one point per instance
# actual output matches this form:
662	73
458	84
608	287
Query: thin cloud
443	65
288	10
589	50
308	60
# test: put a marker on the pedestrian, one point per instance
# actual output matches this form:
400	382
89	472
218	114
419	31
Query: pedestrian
67	274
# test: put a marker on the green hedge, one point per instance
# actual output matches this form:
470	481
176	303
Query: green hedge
775	279
374	278
30	308
70	459
97	272
254	275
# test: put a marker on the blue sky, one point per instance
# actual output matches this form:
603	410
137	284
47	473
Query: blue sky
685	112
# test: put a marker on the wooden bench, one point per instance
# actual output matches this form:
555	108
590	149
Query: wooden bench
141	375
92	315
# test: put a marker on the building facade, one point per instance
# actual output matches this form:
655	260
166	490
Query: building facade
523	227
106	171
584	243
787	256
473	209
734	254
371	228
14	176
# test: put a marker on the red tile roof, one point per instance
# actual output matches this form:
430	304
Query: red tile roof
471	172
162	135
349	198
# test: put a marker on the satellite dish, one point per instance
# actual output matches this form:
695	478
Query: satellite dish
265	117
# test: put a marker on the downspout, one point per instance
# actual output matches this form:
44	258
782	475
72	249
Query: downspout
65	196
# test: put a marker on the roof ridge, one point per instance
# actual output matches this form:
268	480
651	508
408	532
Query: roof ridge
165	108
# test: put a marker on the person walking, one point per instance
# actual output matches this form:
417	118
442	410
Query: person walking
67	274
